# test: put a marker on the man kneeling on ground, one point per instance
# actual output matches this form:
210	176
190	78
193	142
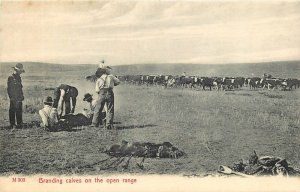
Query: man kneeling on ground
48	114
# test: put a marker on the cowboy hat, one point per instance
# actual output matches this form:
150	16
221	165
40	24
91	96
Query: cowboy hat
48	100
87	96
19	67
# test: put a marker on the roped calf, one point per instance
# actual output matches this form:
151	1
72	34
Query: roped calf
144	150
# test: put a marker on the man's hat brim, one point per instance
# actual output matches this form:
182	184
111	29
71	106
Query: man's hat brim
22	70
89	97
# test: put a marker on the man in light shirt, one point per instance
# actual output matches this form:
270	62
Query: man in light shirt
48	114
89	98
104	87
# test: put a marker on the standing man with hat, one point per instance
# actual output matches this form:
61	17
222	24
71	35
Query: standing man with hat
15	94
104	87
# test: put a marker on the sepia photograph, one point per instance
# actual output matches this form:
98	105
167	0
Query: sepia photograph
149	95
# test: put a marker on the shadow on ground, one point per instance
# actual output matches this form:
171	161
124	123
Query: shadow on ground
135	126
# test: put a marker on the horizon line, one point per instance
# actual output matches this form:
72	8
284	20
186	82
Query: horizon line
179	63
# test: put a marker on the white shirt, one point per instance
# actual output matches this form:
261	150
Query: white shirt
106	81
49	116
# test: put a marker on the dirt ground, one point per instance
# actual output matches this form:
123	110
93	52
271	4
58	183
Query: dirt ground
213	128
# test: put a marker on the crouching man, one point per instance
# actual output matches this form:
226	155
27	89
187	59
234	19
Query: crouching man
63	95
90	113
48	114
81	119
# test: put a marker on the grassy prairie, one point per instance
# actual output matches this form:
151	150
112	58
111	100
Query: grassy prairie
212	127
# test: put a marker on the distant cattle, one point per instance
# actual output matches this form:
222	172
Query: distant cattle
207	82
240	81
187	82
135	79
288	84
149	80
159	80
254	82
271	83
171	82
123	78
218	83
229	83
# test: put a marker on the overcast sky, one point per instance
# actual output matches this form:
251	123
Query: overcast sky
131	32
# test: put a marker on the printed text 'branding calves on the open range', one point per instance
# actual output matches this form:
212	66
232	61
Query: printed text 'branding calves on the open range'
86	180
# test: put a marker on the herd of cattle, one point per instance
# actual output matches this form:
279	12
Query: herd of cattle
218	83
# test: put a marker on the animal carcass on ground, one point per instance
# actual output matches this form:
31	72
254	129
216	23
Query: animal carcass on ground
144	150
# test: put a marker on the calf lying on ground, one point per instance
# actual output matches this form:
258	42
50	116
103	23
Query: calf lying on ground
145	150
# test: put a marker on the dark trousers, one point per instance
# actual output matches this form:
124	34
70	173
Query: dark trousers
106	96
15	112
67	104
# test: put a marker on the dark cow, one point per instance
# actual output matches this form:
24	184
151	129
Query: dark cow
187	82
240	81
159	80
207	82
229	83
288	84
149	79
254	82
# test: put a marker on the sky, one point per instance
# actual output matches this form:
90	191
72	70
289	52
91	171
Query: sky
139	32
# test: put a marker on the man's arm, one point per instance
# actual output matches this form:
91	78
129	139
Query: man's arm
116	81
10	87
44	118
60	102
99	83
21	92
